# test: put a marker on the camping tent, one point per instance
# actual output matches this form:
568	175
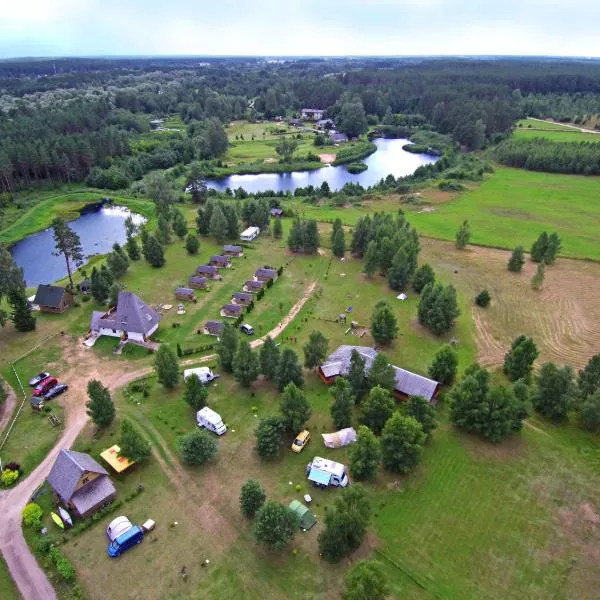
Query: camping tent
305	518
340	438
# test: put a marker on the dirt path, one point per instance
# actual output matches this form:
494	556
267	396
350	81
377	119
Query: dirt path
84	365
7	409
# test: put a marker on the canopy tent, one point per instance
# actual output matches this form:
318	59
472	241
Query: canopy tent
320	477
305	518
340	438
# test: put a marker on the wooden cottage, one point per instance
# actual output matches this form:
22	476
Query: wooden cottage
213	328
242	298
265	274
198	283
53	299
208	271
221	262
183	293
276	212
253	286
235	251
231	310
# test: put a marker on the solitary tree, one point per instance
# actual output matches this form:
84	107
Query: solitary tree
67	245
483	299
100	407
131	246
21	314
195	393
132	444
438	308
245	365
343	401
423	275
167	369
421	410
289	370
192	244
178	223
227	347
277	229
295	409
384	326
252	497
365	454
315	350
516	260
382	373
197	447
518	362
538	278
589	378
117	261
555	391
286	148
402	443
444	365
357	376
269	358
463	235
153	252
377	409
268	436
275	525
365	580
338	246
345	524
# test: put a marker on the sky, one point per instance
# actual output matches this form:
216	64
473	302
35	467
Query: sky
307	27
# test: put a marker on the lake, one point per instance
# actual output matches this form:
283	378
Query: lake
389	158
98	228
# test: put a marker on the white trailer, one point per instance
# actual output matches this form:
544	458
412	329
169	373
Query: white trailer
249	234
211	420
204	374
325	473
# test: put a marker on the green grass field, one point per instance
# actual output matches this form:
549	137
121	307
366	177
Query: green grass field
532	128
8	590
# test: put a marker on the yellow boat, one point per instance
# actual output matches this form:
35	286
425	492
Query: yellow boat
57	520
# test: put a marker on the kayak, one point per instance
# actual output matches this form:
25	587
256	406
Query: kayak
57	520
65	516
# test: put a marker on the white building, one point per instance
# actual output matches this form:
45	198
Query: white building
316	114
131	319
249	234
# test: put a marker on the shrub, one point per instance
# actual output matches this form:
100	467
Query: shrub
65	568
8	477
483	299
32	515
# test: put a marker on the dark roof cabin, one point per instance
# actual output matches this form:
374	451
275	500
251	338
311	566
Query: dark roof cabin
407	384
230	250
265	274
183	293
253	286
220	261
213	327
231	310
53	299
208	271
200	283
276	212
80	482
242	298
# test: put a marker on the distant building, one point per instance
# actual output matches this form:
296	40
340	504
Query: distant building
335	137
213	328
276	212
325	124
295	122
221	262
208	271
253	286
242	298
183	293
235	251
199	283
407	384
316	114
53	299
265	274
231	310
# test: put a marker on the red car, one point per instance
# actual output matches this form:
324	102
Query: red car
44	386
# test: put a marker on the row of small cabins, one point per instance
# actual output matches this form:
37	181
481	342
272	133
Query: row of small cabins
240	300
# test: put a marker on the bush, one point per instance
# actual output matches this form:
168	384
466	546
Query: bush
252	497
65	568
355	168
483	299
32	515
43	544
8	477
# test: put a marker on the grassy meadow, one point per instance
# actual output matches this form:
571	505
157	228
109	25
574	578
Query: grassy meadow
556	132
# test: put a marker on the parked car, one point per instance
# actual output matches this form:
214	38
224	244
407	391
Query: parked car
44	386
39	377
134	535
57	390
247	329
301	440
204	374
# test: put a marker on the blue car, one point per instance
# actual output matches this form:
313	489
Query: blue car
126	540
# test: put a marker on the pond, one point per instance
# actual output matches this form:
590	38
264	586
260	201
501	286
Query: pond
98	227
389	158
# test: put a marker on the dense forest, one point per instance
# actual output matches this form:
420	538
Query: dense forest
70	120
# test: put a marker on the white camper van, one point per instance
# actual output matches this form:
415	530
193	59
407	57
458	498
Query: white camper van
325	473
204	374
211	420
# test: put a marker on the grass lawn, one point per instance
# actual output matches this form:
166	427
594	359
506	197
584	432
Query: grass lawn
556	132
8	590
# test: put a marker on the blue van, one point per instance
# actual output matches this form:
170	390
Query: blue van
126	540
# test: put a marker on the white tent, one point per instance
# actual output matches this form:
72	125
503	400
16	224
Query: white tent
340	438
402	296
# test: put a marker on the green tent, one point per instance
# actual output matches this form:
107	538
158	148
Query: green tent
305	518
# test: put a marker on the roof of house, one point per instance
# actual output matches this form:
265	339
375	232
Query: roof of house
230	248
276	211
232	307
324	121
198	280
135	315
49	295
408	383
242	296
92	494
254	284
220	259
266	272
207	269
118	463
184	290
68	469
335	137
313	110
214	325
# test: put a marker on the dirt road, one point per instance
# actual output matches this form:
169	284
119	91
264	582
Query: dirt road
7	409
85	365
